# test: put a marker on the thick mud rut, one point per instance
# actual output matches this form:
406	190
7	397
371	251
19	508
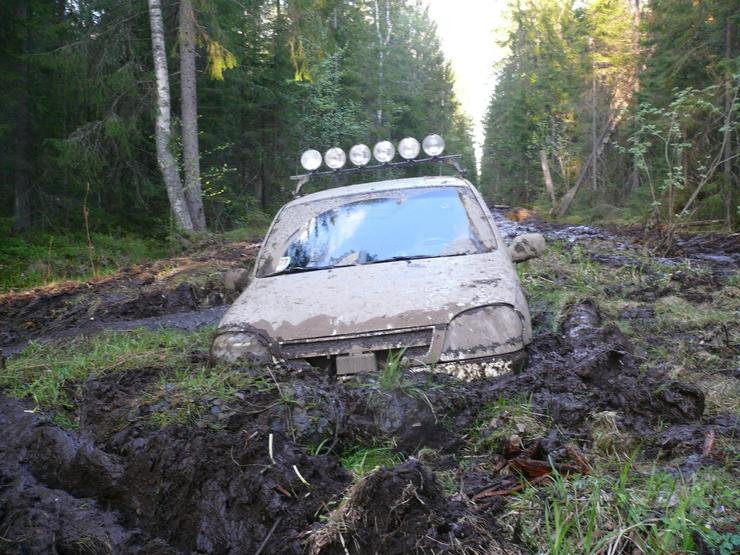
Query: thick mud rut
182	293
261	473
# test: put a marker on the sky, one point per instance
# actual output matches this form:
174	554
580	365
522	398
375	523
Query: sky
469	31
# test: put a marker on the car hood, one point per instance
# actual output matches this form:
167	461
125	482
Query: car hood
374	297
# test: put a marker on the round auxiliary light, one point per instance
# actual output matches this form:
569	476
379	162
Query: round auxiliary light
335	158
311	160
433	145
384	151
359	155
409	148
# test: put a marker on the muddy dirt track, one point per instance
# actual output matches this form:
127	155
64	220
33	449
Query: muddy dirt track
183	292
247	479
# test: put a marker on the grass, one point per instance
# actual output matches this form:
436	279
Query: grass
614	509
40	258
681	335
501	420
392	375
53	376
362	459
631	506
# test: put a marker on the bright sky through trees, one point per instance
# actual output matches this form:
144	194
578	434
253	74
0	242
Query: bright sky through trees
469	31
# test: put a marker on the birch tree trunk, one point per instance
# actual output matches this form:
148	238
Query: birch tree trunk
548	178
383	42
634	181
189	114
165	158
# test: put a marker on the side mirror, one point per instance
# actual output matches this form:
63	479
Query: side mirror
524	247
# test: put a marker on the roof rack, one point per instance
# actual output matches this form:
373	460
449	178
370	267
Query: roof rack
448	159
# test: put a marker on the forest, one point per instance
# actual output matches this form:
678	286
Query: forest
406	367
273	77
632	103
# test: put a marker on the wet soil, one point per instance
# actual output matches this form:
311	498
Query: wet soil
120	484
246	476
719	252
182	292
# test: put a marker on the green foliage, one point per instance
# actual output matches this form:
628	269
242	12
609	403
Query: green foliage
273	79
611	508
573	66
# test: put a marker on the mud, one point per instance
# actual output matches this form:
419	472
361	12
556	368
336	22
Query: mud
120	484
165	293
716	251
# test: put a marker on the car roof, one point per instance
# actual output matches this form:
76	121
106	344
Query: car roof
380	186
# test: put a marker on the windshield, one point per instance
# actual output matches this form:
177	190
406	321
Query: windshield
417	223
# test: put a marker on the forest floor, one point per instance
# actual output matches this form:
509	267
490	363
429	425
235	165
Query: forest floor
620	436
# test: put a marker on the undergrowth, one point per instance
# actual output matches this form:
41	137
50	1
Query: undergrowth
41	257
501	420
363	459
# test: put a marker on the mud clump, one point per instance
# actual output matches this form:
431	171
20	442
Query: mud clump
177	489
402	510
592	369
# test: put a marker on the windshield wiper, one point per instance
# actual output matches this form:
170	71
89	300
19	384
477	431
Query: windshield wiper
416	257
298	270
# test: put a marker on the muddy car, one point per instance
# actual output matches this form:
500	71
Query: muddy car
346	275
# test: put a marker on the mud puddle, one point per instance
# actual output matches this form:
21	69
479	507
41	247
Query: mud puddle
260	472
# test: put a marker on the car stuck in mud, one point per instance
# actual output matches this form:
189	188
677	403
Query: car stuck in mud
346	275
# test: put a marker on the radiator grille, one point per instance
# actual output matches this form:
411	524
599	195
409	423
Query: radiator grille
416	340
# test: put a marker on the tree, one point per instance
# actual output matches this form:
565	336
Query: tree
189	115
165	157
22	205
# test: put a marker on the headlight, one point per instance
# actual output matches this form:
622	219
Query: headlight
482	332
236	346
433	145
311	160
384	151
409	148
335	158
359	155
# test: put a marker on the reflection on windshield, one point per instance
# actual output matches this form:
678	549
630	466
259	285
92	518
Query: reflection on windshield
420	223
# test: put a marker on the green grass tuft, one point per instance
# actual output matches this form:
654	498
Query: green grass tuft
361	459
